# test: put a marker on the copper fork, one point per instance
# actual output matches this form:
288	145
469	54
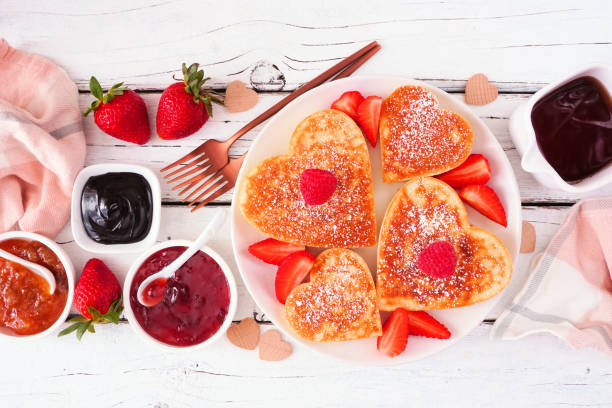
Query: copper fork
209	163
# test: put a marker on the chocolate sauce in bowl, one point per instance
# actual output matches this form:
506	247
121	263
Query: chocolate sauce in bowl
117	208
573	127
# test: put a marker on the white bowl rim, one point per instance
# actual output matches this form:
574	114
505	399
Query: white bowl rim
78	230
133	322
70	275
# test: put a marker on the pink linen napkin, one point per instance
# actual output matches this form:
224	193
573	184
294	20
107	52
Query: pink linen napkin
42	145
569	290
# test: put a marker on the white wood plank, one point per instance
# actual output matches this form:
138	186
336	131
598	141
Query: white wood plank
178	223
520	45
113	368
158	153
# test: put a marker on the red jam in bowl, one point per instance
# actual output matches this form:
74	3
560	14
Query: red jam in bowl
195	302
26	306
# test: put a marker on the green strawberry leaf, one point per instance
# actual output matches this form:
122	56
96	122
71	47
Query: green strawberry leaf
82	329
95	88
69	329
95	314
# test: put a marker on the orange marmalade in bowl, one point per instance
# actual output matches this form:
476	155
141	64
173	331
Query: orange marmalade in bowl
26	306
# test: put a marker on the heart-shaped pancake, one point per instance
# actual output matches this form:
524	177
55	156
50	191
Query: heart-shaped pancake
418	138
271	200
339	302
427	211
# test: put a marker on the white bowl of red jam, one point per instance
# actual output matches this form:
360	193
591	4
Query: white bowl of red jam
27	309
564	131
198	303
116	208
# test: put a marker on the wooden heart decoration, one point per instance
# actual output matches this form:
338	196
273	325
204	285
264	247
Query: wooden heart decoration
270	197
424	211
272	347
244	334
418	137
339	303
528	238
478	90
239	98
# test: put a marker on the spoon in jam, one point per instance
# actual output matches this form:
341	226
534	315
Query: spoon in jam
36	268
151	290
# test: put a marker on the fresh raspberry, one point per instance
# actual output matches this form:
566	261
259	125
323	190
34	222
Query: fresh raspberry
317	186
438	260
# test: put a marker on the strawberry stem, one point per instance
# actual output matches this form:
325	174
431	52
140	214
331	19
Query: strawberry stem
96	90
194	80
81	324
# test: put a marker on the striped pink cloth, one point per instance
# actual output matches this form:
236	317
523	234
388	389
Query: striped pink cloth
569	290
42	145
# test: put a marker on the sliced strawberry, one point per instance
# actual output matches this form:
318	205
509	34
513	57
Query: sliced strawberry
368	117
485	201
348	103
395	334
291	272
475	170
273	251
423	324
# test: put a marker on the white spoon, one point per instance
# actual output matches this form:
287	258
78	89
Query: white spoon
160	278
36	268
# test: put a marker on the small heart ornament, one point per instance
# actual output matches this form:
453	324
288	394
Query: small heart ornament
272	347
478	90
528	238
244	334
239	98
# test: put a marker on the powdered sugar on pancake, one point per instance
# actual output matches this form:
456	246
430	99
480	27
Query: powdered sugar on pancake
422	138
412	229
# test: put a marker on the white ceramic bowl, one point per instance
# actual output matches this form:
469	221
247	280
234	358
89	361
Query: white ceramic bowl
129	313
274	138
523	135
68	267
76	219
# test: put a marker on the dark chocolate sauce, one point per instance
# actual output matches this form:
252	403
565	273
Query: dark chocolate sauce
573	127
117	208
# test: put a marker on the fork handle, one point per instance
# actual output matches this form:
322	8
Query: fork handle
364	53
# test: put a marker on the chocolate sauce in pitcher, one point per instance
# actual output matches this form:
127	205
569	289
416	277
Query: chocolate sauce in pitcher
573	127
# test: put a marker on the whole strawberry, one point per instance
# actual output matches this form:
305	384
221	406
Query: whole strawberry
184	107
97	296
120	113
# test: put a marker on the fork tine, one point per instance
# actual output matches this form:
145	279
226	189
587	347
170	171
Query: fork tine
192	180
220	191
194	153
218	183
215	177
198	167
200	159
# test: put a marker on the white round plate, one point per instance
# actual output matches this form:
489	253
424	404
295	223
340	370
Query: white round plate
274	140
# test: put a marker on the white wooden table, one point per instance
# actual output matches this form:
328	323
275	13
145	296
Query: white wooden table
276	46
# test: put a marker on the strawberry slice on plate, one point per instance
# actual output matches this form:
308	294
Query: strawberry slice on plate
273	251
368	117
423	324
348	103
475	170
291	272
395	334
485	201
